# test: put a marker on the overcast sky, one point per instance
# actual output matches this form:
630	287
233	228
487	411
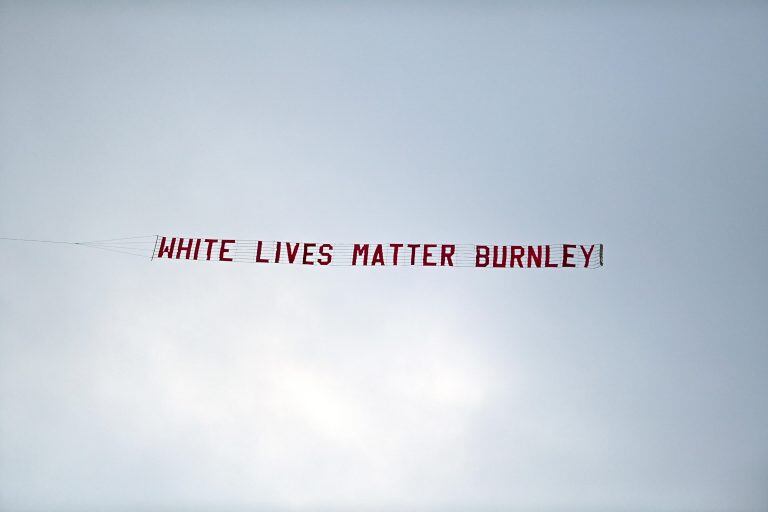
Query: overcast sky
134	385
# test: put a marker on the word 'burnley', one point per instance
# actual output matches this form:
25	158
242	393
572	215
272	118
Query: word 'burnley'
373	255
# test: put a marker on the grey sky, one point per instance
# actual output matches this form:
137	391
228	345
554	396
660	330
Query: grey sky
130	385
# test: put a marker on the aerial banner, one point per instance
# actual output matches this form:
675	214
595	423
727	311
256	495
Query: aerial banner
390	254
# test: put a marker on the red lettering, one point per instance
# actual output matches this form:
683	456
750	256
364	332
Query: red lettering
481	253
223	250
180	248
395	248
378	255
515	257
166	249
424	260
259	259
496	262
446	254
291	255
546	258
360	250
324	252
307	253
197	247
587	255
413	248
210	242
567	255
534	256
